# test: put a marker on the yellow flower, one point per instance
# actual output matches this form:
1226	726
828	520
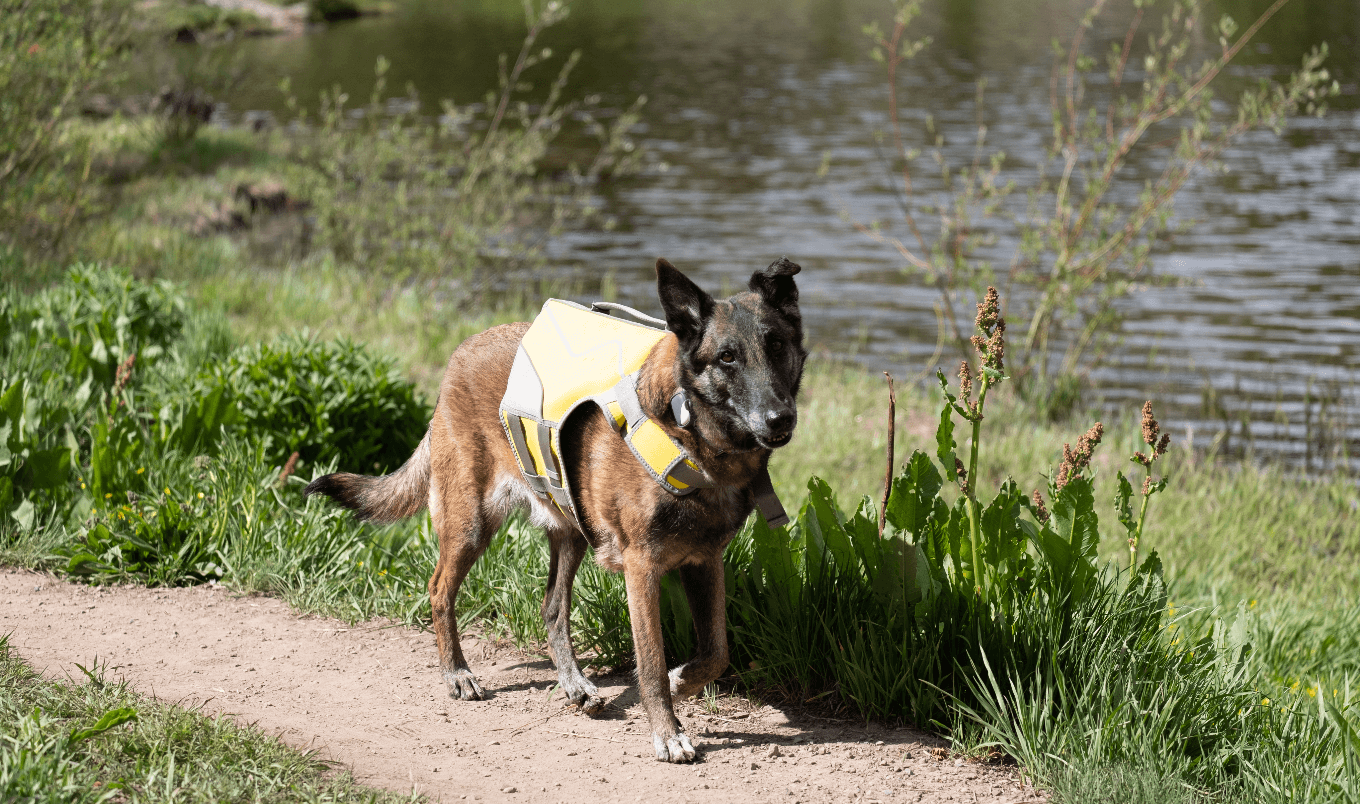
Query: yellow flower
1251	605
82	484
1312	692
1265	702
108	496
141	469
167	489
382	572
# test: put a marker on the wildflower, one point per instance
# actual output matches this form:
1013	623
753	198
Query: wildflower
991	344
200	495
124	374
141	469
167	490
1265	702
1039	510
1153	437
1074	461
108	496
288	468
82	484
987	310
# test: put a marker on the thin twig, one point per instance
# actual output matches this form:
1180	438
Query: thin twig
888	473
587	736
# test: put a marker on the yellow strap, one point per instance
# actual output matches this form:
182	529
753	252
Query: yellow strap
654	447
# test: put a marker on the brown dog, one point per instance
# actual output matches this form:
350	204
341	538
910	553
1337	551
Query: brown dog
740	361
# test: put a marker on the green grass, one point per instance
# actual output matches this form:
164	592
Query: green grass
98	740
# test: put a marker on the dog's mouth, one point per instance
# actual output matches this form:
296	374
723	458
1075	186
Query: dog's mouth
776	442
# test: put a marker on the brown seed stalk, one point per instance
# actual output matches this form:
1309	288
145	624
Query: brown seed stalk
1040	510
1074	461
288	469
965	381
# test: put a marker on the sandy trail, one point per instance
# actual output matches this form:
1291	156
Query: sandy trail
369	697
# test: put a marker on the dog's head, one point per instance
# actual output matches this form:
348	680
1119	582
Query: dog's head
740	359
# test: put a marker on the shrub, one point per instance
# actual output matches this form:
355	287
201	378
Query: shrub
328	401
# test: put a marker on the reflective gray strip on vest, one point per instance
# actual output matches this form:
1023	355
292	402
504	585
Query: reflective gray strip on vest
685	474
767	501
545	447
562	499
626	395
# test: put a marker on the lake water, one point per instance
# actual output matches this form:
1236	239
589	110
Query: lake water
760	133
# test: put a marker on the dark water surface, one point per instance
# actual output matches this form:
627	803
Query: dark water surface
760	131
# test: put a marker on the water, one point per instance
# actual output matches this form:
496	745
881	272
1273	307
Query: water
760	132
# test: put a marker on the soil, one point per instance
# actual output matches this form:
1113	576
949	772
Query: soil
370	698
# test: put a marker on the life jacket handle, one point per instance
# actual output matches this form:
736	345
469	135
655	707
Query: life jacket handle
607	307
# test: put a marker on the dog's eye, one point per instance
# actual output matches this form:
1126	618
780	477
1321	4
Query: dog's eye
776	347
728	357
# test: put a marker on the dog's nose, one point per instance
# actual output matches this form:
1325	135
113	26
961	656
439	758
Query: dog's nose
780	422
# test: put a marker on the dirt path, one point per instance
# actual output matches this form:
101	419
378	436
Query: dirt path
371	698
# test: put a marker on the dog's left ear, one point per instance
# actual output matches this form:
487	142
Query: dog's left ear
686	305
775	285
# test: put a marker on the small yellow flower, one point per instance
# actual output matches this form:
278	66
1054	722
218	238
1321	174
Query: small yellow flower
82	484
108	496
167	489
1265	702
1251	605
200	495
382	572
141	469
361	563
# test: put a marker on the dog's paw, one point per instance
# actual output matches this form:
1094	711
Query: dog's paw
463	685
675	748
585	695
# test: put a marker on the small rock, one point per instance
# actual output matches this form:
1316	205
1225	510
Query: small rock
774	751
958	763
509	790
755	766
494	742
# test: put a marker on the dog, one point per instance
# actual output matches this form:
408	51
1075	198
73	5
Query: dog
739	361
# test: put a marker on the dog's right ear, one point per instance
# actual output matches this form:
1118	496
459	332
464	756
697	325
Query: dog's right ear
686	305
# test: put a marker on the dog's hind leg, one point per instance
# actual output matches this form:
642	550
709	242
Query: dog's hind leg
568	548
707	594
464	535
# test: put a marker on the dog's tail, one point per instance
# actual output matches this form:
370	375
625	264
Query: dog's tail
381	499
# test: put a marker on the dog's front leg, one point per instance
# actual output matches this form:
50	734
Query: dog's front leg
706	591
644	609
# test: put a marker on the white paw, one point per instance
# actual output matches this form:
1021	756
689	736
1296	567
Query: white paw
463	685
676	748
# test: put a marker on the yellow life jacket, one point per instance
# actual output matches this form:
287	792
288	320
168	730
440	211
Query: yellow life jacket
574	355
